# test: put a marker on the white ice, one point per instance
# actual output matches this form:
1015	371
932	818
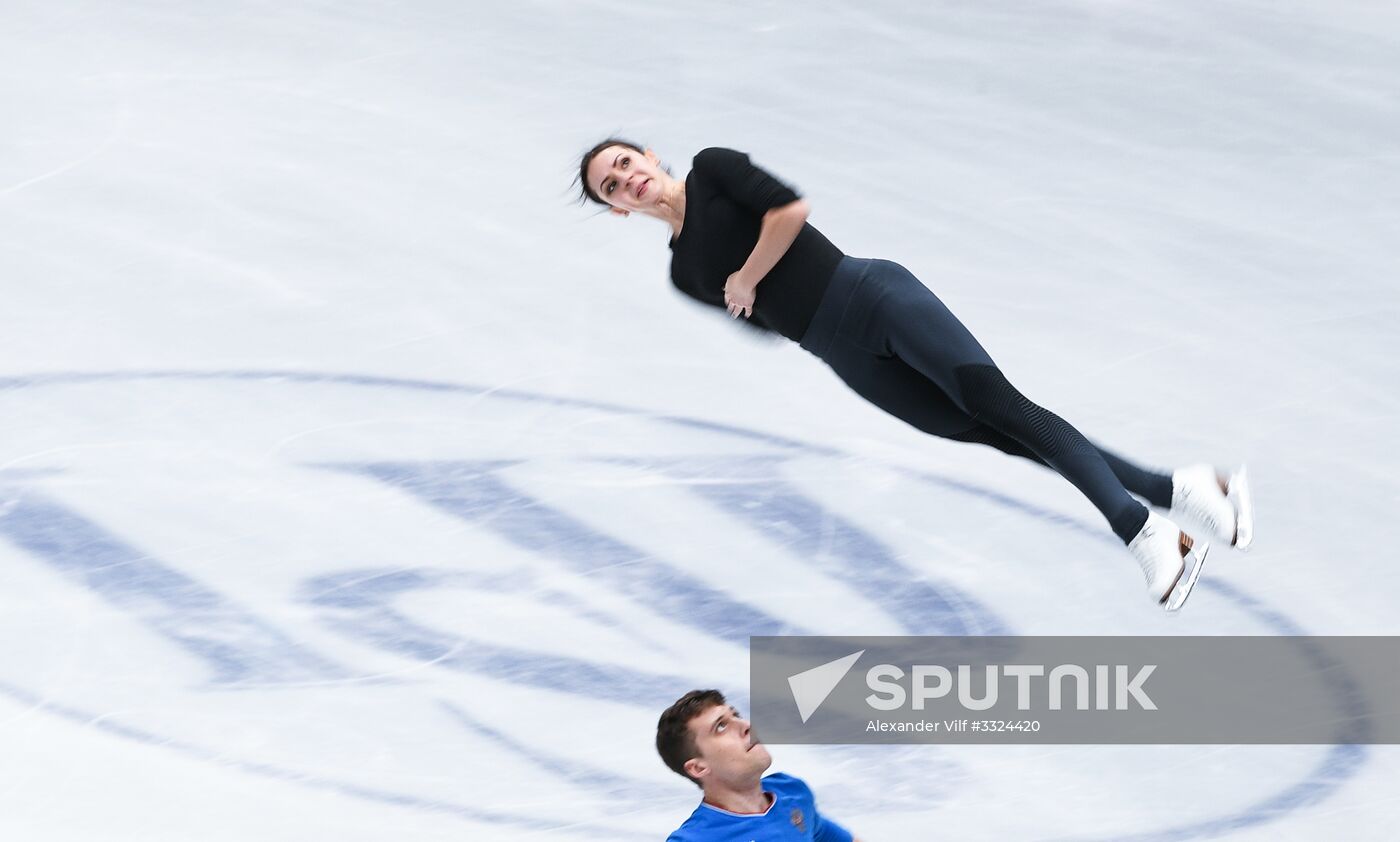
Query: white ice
297	305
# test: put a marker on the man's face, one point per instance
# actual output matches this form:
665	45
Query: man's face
728	751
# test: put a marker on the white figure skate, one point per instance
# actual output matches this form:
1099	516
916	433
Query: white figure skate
1171	561
1228	514
1243	503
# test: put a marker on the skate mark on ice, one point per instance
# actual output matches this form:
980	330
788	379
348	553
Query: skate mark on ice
363	611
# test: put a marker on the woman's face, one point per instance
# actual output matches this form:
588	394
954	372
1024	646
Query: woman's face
627	179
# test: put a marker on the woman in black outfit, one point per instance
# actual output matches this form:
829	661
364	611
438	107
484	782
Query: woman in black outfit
741	241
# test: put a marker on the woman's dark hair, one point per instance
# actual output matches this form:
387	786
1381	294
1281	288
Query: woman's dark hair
588	194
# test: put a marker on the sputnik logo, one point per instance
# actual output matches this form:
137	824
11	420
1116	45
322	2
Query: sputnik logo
811	687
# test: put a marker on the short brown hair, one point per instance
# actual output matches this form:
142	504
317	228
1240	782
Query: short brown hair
674	741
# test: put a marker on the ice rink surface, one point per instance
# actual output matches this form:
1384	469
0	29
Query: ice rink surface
355	484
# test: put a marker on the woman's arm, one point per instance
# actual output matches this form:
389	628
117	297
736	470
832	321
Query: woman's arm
780	227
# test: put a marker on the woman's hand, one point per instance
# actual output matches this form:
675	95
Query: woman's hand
738	295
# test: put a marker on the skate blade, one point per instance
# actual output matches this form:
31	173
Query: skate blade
1240	499
1194	560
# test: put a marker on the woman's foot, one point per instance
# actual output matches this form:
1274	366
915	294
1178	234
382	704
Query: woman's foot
1237	492
1218	503
1170	559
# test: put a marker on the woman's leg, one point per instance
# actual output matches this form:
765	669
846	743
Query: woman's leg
892	385
1154	487
916	327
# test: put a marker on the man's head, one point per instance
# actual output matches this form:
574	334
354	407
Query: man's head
703	738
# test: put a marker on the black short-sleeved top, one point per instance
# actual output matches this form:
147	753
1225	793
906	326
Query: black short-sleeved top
725	199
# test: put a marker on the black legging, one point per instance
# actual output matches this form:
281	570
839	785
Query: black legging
891	340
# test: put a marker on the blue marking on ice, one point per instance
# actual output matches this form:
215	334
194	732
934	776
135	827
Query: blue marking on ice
239	647
1340	762
1337	765
605	782
473	492
109	725
753	490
